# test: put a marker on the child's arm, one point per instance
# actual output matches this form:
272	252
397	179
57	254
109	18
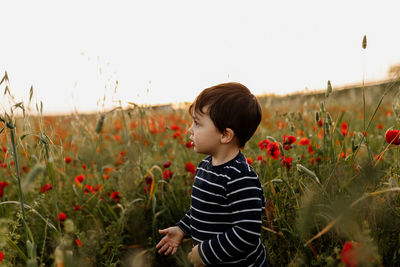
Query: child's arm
171	241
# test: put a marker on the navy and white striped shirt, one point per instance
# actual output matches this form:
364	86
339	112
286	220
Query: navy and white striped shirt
225	214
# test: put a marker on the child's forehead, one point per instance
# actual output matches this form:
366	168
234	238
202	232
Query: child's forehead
197	113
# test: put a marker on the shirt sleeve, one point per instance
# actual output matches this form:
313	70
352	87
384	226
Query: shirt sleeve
246	198
184	224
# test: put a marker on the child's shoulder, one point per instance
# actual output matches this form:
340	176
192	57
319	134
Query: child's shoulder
239	167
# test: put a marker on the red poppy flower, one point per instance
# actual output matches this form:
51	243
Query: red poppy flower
320	123
67	159
263	144
167	164
380	126
304	141
25	169
392	136
4	149
45	188
286	162
190	168
350	254
167	174
249	161
88	188
310	149
175	127
189	144
1	256
83	166
117	137
2	185
78	242
79	178
115	195
344	128
176	135
62	216
76	207
273	150
288	141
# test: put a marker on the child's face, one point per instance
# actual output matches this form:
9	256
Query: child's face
203	133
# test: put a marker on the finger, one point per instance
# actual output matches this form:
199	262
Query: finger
162	242
168	251
189	256
174	251
163	231
163	248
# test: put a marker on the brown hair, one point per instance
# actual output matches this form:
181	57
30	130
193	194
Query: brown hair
230	105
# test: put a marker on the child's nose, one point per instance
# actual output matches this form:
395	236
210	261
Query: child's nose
191	129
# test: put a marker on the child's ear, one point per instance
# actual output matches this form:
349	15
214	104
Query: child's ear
227	136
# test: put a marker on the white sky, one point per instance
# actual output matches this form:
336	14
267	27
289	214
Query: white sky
73	52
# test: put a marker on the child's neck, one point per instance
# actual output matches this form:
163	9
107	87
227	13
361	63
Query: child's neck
224	155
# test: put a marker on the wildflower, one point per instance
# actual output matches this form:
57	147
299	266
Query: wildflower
190	167
176	135
344	128
117	137
175	127
273	150
392	137
25	169
2	185
67	159
1	256
76	207
350	254
78	242
249	161
364	133
189	144
288	141
379	126
83	166
148	180
263	144
167	174
304	141
343	155
115	195
320	123
286	162
166	164
4	149
45	188
310	149
88	188
79	178
62	216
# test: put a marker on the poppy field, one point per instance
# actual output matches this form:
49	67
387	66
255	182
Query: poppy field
94	189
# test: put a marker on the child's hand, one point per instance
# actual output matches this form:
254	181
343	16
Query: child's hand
171	241
194	257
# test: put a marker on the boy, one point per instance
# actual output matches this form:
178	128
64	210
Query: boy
224	220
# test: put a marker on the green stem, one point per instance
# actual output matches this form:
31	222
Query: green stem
21	196
53	182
